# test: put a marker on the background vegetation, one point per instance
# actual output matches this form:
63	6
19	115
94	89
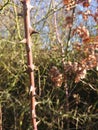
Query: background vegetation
66	64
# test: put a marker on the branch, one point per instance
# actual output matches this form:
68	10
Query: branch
63	62
70	30
28	31
2	7
57	34
17	22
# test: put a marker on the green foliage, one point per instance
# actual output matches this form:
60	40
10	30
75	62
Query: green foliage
51	109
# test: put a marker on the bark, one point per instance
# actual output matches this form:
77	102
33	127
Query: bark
27	27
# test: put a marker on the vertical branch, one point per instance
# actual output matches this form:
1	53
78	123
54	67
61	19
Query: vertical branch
28	32
57	34
0	117
63	63
17	22
70	30
15	120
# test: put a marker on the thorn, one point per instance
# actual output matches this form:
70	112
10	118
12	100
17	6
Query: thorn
23	41
33	113
20	14
97	67
32	31
37	103
31	88
31	7
37	122
22	1
31	68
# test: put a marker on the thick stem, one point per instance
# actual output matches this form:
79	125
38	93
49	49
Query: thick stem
26	6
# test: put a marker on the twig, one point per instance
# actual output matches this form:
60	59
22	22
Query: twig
0	117
63	63
2	7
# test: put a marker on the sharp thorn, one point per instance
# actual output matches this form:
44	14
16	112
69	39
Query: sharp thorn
22	1
31	7
32	31
20	14
37	122
23	41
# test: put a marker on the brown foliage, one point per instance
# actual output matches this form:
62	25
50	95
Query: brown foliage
56	76
70	4
82	32
77	69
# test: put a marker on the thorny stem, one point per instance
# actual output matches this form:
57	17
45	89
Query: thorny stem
26	7
63	63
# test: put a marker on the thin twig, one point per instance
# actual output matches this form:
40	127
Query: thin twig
63	63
